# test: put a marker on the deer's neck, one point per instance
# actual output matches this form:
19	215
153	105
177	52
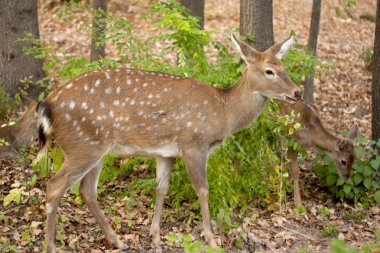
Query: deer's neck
326	141
243	105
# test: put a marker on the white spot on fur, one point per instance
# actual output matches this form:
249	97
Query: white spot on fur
112	114
129	82
132	102
97	83
69	85
67	117
205	102
158	96
83	119
71	105
145	85
108	75
92	91
150	96
135	90
140	113
84	105
62	104
108	90
118	90
102	105
116	103
86	87
91	111
99	118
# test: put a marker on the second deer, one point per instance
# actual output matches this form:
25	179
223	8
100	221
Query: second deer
314	134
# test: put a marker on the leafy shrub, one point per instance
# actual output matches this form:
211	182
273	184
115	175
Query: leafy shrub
363	185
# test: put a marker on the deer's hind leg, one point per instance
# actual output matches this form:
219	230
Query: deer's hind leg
163	171
88	190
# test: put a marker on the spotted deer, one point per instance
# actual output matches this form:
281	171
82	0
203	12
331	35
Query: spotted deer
314	134
144	113
22	134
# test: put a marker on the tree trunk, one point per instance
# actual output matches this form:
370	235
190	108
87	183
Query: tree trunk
197	8
312	46
18	17
376	79
256	19
99	11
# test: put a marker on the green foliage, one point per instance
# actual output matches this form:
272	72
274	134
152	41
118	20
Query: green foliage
367	56
363	185
300	63
330	230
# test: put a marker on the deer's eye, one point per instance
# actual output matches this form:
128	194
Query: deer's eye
343	162
269	72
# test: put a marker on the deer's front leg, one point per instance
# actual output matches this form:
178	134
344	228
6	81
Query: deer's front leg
88	190
163	171
295	172
70	173
195	161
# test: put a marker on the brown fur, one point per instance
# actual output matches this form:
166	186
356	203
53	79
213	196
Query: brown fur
313	134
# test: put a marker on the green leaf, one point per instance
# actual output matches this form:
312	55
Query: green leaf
297	125
347	188
358	179
376	197
367	183
340	181
375	163
331	180
367	171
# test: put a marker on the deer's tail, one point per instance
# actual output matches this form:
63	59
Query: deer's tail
45	128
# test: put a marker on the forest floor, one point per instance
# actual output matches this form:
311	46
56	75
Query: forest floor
343	97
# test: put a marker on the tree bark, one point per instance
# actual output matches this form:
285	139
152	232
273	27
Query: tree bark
18	17
98	30
197	8
312	46
256	19
376	79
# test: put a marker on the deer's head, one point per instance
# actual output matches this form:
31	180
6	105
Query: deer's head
265	72
24	133
344	153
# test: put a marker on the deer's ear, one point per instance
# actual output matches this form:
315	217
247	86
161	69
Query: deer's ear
281	48
27	102
353	132
247	53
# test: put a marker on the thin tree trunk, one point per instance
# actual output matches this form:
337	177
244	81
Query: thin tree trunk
98	29
18	17
312	46
376	79
197	8
256	19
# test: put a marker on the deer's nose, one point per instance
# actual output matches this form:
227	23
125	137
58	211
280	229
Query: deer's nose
298	95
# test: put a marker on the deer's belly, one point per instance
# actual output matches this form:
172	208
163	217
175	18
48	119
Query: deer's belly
166	150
